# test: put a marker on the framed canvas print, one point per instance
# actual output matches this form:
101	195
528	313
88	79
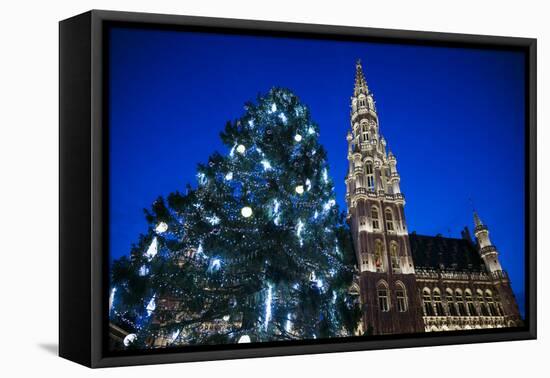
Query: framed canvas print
233	188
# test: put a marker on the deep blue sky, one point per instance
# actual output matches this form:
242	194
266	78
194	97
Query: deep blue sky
454	118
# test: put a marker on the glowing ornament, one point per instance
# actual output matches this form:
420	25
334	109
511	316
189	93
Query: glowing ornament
225	318
266	164
244	339
112	298
329	204
241	149
325	176
129	339
201	177
215	265
152	250
311	130
298	138
213	220
283	117
246	212
151	306
229	176
276	208
268	301
143	271
273	108
174	335
308	184
299	230
161	228
300	189
251	123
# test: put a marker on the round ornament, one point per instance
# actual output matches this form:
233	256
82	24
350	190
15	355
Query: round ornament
241	149
246	212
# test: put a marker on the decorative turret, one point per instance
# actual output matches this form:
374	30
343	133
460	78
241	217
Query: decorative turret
487	250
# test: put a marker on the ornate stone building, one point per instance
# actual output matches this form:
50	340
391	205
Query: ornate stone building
407	282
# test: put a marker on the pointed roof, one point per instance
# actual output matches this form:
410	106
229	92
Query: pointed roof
477	220
360	81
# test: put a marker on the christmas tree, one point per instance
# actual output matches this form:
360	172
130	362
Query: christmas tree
257	251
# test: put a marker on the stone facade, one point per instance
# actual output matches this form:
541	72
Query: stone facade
404	286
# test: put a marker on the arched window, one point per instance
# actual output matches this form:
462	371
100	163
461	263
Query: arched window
394	257
389	220
401	295
362	101
470	303
460	303
378	261
490	303
427	302
370	176
439	311
482	306
450	303
364	130
383	297
374	216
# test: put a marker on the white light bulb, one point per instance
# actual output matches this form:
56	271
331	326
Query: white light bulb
241	149
246	212
300	189
161	228
298	138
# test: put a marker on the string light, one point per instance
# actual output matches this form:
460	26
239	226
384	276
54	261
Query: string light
246	212
241	149
152	250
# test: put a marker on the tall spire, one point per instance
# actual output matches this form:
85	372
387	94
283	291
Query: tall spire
477	221
360	81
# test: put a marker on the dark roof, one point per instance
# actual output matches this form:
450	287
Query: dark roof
441	253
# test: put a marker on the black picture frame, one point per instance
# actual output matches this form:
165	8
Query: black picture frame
83	231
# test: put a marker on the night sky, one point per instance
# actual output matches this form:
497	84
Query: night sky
453	117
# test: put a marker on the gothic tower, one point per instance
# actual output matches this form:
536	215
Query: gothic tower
376	217
501	282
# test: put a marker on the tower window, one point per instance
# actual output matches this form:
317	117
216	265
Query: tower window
401	295
370	176
389	220
374	216
383	298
